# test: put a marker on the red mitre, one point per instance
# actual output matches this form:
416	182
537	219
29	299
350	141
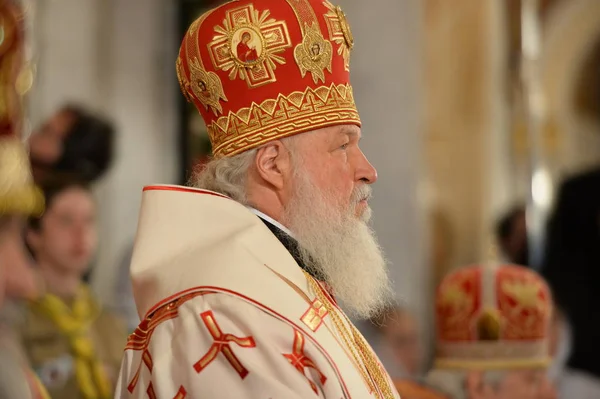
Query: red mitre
493	317
266	69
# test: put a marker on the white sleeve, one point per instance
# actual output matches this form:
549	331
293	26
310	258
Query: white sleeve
221	347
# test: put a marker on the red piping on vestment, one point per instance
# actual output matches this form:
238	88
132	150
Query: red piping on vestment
183	190
260	305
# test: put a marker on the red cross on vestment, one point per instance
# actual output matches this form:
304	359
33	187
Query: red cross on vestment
221	344
140	339
300	361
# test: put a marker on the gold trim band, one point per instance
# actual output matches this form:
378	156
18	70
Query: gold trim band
304	13
283	116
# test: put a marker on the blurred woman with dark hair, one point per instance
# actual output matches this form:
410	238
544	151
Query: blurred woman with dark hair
73	344
73	143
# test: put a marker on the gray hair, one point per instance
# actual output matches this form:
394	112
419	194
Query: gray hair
229	175
454	382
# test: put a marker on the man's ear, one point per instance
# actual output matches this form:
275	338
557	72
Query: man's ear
476	387
273	163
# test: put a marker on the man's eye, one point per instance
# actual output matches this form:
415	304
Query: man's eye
344	146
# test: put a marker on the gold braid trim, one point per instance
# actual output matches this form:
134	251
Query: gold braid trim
284	116
372	371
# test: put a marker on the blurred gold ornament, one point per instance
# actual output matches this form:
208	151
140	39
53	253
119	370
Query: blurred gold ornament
25	79
18	193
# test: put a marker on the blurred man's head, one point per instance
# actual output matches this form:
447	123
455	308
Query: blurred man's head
318	185
511	232
73	143
64	239
493	328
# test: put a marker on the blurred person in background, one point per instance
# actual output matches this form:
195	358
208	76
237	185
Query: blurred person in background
72	343
572	267
400	347
19	198
399	342
511	232
493	327
73	143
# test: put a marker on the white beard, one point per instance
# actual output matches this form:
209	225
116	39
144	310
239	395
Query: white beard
340	246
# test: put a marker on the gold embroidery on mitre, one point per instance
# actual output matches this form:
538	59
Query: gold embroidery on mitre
248	45
184	84
314	54
207	87
194	26
282	116
339	32
525	294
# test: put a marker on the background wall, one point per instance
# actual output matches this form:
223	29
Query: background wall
118	58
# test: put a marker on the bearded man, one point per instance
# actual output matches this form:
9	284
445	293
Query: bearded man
237	279
493	329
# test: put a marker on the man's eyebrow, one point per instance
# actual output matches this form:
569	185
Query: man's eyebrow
348	131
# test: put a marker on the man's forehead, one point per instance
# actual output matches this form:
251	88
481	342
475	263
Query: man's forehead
350	130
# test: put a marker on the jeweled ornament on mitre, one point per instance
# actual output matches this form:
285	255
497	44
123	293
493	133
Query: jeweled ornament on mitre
493	316
267	69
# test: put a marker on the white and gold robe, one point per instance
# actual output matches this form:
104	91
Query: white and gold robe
228	313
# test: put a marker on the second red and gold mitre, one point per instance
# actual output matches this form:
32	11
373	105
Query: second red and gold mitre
493	316
267	69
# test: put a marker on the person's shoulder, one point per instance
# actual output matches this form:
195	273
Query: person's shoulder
204	305
410	389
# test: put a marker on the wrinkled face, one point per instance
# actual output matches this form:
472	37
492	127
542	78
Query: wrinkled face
327	212
46	144
335	164
67	237
16	274
402	337
521	384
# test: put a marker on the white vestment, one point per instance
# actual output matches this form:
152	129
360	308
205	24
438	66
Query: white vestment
228	313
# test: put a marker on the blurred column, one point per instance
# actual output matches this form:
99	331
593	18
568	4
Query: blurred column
117	57
67	54
465	133
141	51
